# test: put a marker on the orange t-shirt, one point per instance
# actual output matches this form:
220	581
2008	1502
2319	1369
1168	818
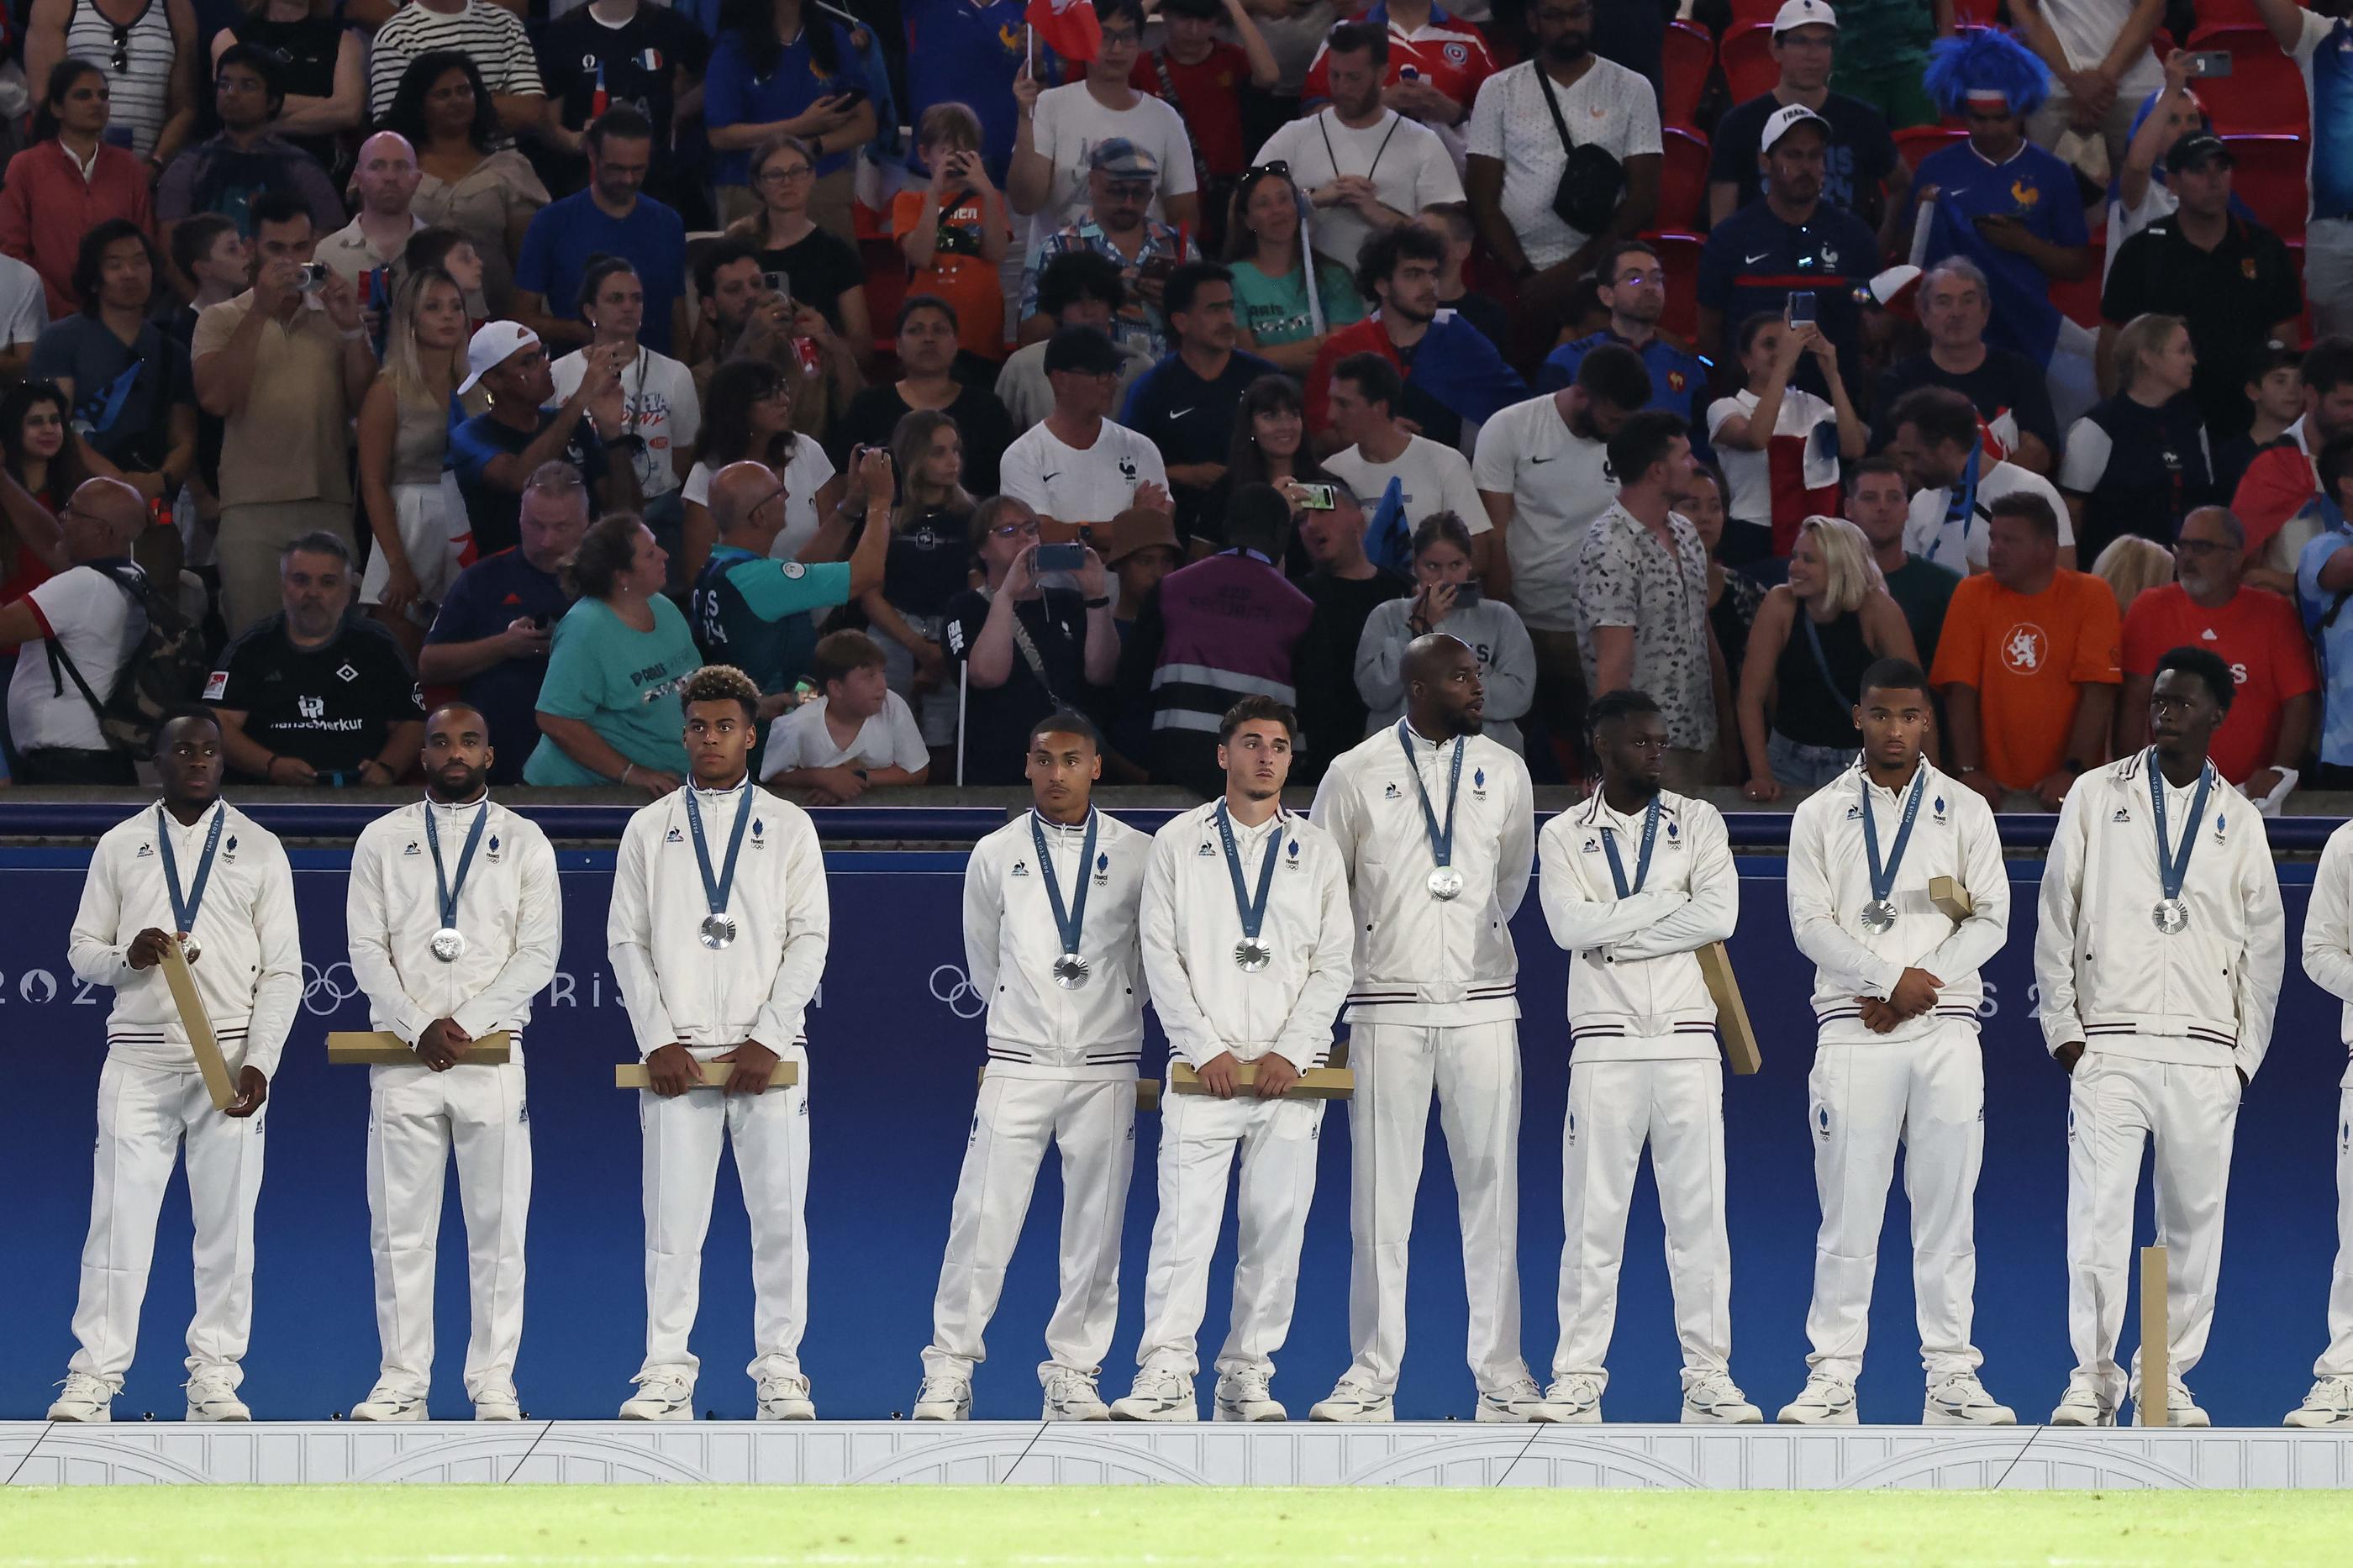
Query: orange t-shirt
2025	654
2257	633
958	273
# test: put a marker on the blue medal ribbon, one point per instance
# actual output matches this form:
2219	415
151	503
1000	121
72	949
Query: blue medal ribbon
1441	840
1069	923
1252	910
714	890
1882	879
184	911
2172	870
1642	856
441	884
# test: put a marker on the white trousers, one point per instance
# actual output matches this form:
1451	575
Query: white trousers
417	1118
2338	1359
2116	1104
1614	1107
1476	1072
769	1133
1092	1122
1927	1097
1199	1137
143	1115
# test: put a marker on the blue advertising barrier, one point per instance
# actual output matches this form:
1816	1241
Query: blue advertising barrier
895	1040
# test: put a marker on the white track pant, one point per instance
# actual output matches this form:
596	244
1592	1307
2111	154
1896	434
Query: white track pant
1476	1072
2116	1104
2338	1359
417	1117
1094	1123
1927	1097
144	1114
1199	1136
682	1136
1614	1106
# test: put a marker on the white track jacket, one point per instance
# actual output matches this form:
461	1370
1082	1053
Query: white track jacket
2329	930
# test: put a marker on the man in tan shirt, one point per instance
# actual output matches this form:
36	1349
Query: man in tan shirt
283	365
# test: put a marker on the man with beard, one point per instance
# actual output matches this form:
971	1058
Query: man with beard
1245	931
612	216
1896	1063
1954	304
195	871
1631	281
495	453
450	945
1436	830
224	173
2158	1032
1452	373
1186	404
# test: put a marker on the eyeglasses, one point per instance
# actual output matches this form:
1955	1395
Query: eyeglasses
2202	547
787	176
1016	530
775	495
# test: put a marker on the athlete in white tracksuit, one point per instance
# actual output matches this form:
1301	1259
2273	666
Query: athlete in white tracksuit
693	997
1247	935
1896	1058
1634	882
498	872
2328	959
2157	997
1063	1049
1434	1006
236	900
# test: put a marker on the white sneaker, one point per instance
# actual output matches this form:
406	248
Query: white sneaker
1961	1400
785	1397
1571	1401
387	1403
88	1398
1161	1393
212	1396
2181	1410
1072	1396
1826	1401
661	1397
944	1398
2083	1406
1514	1401
1352	1401
496	1402
1244	1396
2330	1403
1712	1399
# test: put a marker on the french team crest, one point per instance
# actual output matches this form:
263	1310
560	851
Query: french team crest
1103	869
493	847
1478	781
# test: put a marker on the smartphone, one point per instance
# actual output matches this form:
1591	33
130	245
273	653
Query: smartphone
1801	307
1317	498
780	284
852	97
1466	594
1061	557
312	277
2209	62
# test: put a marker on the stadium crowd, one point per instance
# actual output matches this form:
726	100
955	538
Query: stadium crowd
943	363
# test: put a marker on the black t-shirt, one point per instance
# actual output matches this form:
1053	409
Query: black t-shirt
996	718
2231	296
1854	166
640	60
181	328
2139	470
331	705
929	563
497	514
2005	382
1189	419
1331	709
821	269
305	50
873	415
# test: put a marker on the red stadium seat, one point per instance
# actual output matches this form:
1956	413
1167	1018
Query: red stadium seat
1682	185
1679	256
2228	14
2264	91
1688	56
1975	13
1916	142
2080	302
1746	54
2270	180
1748	13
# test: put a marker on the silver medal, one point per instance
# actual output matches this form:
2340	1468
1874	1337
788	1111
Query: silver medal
1069	971
1446	882
188	948
1879	916
1250	955
448	944
718	931
2171	916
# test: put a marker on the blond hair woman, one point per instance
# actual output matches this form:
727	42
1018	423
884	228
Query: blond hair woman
2131	566
1814	637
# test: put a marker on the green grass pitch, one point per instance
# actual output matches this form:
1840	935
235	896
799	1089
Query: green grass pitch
1155	1527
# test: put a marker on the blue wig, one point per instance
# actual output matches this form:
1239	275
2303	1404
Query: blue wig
1985	59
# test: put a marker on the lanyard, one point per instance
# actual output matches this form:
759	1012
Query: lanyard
1252	910
184	911
1069	923
1963	507
714	890
2173	869
449	894
1441	840
1882	879
1642	859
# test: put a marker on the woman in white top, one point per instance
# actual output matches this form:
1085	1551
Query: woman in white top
662	414
412	503
1779	489
752	418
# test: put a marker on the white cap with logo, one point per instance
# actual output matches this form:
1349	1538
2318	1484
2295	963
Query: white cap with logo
1795	14
495	342
1777	124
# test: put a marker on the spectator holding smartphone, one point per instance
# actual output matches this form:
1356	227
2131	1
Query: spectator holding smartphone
779	70
953	231
1446	599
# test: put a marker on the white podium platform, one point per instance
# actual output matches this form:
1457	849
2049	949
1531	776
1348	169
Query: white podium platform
1767	1458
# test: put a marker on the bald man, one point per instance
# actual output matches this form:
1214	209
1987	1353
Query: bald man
92	614
455	922
386	178
750	609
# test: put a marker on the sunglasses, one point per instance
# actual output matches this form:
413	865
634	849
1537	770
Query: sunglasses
122	48
1277	168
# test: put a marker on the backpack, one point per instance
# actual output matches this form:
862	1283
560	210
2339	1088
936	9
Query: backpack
164	672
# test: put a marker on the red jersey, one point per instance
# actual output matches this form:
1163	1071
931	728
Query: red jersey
1209	95
1447	52
2257	635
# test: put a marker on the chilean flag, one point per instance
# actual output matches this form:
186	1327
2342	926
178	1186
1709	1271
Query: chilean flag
1068	28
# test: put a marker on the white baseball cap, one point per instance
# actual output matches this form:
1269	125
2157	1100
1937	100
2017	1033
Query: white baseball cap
1795	14
495	342
1779	123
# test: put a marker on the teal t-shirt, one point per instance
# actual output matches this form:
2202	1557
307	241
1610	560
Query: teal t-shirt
752	612
623	683
1275	308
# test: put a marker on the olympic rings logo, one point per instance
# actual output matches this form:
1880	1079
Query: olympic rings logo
962	999
323	993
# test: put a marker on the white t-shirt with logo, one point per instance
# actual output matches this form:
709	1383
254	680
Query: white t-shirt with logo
1960	546
1433	478
891	739
99	627
1073	486
1408	165
1610	107
658	396
1068	124
1559	482
808	472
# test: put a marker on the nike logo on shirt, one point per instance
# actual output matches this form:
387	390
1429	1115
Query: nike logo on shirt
1049	479
1753	261
1534	460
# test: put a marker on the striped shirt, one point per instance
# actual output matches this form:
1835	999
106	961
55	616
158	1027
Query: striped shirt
137	59
491	35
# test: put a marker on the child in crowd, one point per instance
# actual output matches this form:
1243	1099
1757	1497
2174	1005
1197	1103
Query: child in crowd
955	232
858	736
